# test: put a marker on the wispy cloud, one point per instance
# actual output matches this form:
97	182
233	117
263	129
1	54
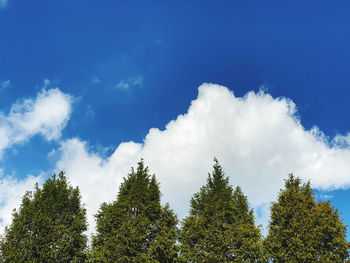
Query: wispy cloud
134	82
137	81
325	196
122	85
5	84
46	83
3	4
89	113
95	80
159	42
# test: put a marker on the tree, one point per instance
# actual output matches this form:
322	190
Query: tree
302	230
220	227
331	244
136	227
48	227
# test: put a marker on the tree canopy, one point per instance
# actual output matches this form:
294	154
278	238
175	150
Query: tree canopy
136	227
50	223
48	226
220	227
303	230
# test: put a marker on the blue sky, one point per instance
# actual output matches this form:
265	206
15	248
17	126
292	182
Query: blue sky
112	70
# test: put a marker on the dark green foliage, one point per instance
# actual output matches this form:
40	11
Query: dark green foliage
220	227
48	227
135	227
302	230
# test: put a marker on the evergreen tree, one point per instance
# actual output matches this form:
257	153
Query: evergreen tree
330	242
302	230
220	227
48	227
136	227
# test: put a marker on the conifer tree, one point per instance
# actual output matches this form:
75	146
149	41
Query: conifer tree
48	227
330	242
302	230
136	227
220	227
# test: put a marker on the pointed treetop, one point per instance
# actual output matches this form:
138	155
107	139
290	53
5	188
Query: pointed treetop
303	230
294	185
220	228
136	227
217	179
139	185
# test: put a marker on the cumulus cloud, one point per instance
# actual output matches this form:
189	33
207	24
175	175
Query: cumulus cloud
257	139
11	192
47	115
98	179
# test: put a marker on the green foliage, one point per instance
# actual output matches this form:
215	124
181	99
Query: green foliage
220	227
302	230
135	227
48	227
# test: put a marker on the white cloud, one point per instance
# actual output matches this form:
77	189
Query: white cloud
47	115
257	138
3	4
98	179
11	193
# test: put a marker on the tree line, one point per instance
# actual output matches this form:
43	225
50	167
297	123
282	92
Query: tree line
50	224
